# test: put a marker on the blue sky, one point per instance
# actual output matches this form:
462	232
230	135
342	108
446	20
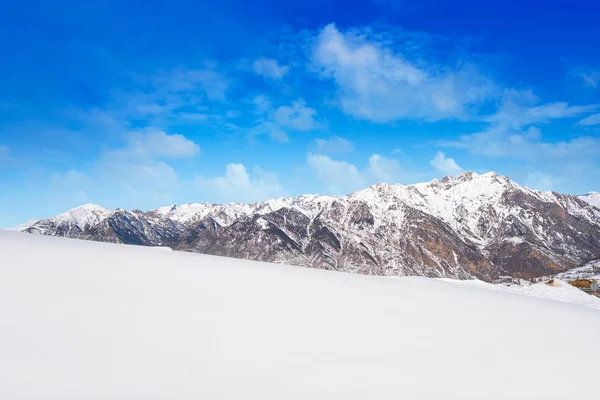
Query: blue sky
139	104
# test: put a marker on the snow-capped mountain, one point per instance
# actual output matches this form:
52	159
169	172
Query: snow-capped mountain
466	226
592	198
70	223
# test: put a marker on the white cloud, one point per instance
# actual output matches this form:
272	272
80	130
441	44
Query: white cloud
270	129
445	165
194	116
379	85
165	98
341	177
526	145
297	116
135	173
233	114
278	135
262	104
138	172
239	186
589	76
521	108
513	133
156	143
275	122
269	68
334	144
383	169
539	181
593	119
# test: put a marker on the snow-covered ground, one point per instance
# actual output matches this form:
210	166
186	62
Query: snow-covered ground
559	291
591	270
86	320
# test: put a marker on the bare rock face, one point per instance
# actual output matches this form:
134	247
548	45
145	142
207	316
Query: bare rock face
461	227
545	237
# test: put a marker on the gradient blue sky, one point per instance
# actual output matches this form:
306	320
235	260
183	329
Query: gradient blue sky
138	104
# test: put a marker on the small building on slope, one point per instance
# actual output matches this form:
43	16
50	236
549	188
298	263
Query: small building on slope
587	285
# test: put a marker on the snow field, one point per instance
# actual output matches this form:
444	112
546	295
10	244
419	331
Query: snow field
87	320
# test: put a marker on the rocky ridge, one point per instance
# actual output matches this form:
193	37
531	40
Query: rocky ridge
460	227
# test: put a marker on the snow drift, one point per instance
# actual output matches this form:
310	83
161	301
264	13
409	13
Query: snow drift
86	320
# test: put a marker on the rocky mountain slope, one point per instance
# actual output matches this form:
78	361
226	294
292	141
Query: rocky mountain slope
466	226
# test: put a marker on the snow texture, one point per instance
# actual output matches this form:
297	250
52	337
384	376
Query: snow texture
87	320
87	214
592	198
559	291
590	270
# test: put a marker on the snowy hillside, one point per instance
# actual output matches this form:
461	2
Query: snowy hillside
592	198
586	271
95	320
560	290
459	227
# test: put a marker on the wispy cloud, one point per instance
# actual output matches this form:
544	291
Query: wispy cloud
298	116
138	172
513	131
334	144
163	98
590	77
341	177
445	165
276	122
238	185
151	142
270	129
269	68
593	119
377	84
521	108
499	142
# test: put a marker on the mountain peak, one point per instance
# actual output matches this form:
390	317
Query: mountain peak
87	214
463	226
89	207
467	175
471	175
376	192
86	208
470	181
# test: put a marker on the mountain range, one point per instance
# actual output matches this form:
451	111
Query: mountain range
468	226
